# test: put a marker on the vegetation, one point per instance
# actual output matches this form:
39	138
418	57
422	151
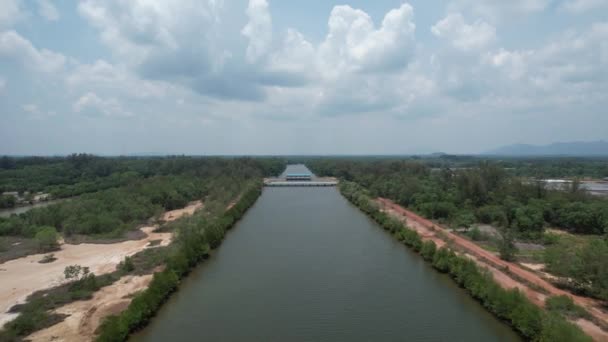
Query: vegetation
168	183
37	314
194	244
460	191
112	212
484	191
581	261
46	238
532	322
7	201
48	258
565	306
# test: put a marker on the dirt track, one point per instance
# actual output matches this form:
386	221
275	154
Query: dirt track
24	276
510	279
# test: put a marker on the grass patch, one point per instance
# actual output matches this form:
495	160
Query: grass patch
565	306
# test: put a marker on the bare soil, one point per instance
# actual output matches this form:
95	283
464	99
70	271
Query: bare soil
24	276
507	274
84	317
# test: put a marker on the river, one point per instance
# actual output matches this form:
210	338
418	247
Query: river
24	208
305	265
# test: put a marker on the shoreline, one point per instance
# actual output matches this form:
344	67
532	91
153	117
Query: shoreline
507	274
436	247
100	258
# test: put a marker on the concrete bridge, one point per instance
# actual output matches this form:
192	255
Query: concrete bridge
313	182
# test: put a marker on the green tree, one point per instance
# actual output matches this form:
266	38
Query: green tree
46	238
506	245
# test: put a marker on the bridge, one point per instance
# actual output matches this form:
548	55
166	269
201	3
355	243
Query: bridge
300	181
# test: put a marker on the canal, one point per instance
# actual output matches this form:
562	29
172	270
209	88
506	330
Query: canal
305	265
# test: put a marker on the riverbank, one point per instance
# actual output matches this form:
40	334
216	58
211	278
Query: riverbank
509	304
24	276
533	286
196	246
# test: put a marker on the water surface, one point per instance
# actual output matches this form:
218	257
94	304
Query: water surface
6	212
305	265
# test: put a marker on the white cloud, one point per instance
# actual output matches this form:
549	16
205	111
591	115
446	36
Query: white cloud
47	10
36	113
258	30
462	35
20	50
101	75
296	55
10	12
354	44
498	10
579	6
183	42
92	103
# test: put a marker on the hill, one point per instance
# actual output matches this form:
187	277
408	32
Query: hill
576	148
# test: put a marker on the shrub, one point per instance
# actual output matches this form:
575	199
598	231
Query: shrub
46	238
428	250
48	259
476	235
529	320
565	306
126	265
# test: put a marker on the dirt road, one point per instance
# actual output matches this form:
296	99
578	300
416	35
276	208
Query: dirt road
516	275
24	276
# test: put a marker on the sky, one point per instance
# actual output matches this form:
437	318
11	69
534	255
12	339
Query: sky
262	77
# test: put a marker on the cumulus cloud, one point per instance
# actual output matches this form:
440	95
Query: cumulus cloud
258	30
15	48
182	45
102	75
47	10
354	44
179	42
464	36
91	103
297	55
358	66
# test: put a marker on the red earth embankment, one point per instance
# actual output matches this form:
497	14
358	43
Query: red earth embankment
507	274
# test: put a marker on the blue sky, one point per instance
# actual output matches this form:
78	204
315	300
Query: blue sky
300	77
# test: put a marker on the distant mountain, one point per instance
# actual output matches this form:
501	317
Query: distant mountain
576	148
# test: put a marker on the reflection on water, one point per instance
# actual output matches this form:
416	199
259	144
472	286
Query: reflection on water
305	265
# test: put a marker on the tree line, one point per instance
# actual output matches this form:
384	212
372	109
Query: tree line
111	212
532	322
194	243
78	174
485	193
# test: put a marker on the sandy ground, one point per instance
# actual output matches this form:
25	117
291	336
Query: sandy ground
493	263
24	276
177	213
86	316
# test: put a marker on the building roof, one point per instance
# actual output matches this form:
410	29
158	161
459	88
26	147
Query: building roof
298	175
